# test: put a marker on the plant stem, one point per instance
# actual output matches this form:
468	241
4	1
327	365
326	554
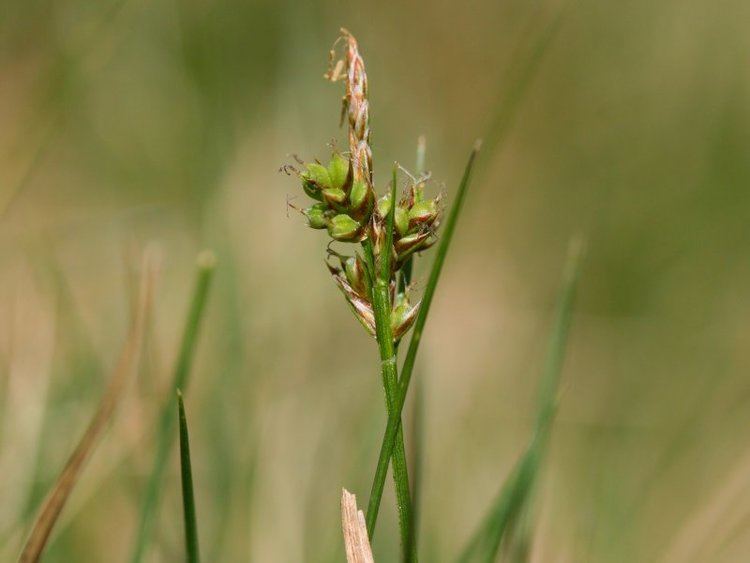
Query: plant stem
390	383
188	497
165	428
382	311
393	428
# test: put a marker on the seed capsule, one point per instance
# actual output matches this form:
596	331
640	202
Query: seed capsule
361	200
317	174
412	243
423	213
338	170
334	196
402	316
344	228
356	275
401	220
384	205
360	305
311	189
316	216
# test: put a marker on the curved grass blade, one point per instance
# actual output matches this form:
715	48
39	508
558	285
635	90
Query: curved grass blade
393	428
126	366
188	498
165	430
517	487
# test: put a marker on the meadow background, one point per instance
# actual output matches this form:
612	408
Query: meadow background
125	123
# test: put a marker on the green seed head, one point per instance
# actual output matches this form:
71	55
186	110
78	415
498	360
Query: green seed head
384	205
354	269
317	174
316	216
344	228
311	189
423	213
414	242
359	193
361	200
401	218
334	196
402	316
338	170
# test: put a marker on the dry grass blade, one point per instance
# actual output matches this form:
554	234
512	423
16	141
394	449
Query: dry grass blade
355	530
55	501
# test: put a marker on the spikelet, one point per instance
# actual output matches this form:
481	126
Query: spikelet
346	206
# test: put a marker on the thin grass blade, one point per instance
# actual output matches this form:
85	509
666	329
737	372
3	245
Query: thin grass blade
125	368
393	428
188	498
165	433
513	495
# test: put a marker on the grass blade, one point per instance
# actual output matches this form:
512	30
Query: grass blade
515	491
205	269
126	366
393	428
188	498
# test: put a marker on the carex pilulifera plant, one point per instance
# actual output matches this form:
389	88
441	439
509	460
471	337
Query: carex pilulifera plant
389	230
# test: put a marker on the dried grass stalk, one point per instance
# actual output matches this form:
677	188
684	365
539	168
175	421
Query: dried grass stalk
125	367
357	544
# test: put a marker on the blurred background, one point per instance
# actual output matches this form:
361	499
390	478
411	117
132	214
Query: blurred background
126	123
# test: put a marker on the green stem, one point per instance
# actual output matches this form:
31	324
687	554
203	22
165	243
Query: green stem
393	428
386	346
390	383
165	428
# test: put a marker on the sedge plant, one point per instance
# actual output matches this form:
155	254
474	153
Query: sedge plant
383	234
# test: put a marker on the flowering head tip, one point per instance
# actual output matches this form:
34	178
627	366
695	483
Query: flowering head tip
347	207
